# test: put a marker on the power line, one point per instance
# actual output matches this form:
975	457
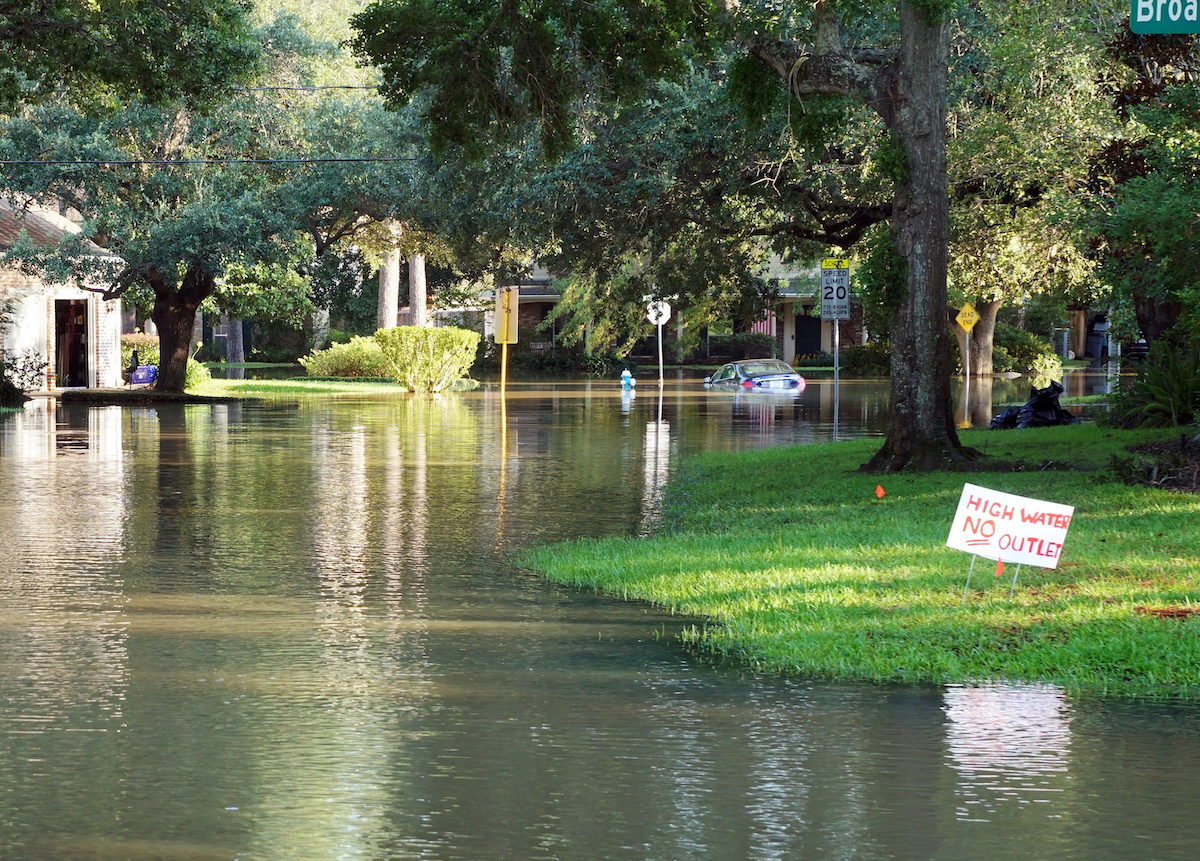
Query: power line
167	162
307	89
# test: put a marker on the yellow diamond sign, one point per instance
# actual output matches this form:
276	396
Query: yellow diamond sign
968	317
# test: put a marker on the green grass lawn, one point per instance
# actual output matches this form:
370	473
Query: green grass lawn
298	386
796	566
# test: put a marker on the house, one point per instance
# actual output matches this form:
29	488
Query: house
76	331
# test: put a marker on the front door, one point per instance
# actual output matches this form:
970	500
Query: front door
808	336
71	342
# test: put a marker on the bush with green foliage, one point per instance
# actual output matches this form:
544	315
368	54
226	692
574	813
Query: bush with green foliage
358	357
872	359
195	375
743	345
146	346
605	364
19	373
428	359
147	350
817	360
1166	392
1017	350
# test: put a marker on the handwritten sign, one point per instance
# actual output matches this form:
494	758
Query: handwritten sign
1009	528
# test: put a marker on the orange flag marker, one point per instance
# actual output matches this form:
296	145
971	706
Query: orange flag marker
999	567
879	491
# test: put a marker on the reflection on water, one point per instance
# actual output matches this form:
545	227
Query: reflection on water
1008	743
293	630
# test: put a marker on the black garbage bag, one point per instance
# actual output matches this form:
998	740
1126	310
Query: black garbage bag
1041	410
1005	420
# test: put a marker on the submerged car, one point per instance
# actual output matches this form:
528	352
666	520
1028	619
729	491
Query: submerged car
757	375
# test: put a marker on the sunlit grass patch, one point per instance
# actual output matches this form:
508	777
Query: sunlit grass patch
797	566
297	386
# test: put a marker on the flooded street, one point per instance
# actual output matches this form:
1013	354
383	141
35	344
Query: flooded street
293	630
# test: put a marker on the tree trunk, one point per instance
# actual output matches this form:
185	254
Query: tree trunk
979	408
389	282
418	291
983	337
1155	315
320	328
922	430
174	313
389	290
235	347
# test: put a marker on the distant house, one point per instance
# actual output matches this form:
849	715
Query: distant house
796	321
76	331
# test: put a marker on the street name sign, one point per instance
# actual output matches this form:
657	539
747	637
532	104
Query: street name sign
1164	16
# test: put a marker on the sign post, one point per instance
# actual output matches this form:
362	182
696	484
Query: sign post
658	312
835	306
505	322
967	318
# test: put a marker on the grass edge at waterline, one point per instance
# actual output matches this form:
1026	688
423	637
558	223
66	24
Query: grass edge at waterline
797	567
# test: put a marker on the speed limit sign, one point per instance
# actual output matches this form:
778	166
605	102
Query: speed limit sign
835	288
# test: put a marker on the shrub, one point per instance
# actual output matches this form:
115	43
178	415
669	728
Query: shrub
1028	353
428	359
872	359
815	360
1002	362
195	374
745	345
358	357
553	361
19	373
1166	392
605	364
146	346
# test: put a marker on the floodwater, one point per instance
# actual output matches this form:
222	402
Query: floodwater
293	630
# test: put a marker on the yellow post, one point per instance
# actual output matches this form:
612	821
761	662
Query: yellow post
507	299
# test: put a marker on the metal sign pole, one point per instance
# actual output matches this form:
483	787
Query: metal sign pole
836	382
967	317
658	312
660	357
968	586
967	381
835	306
504	347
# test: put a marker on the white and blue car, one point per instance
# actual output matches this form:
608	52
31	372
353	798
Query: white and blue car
757	375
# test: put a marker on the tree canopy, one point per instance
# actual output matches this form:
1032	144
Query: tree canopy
106	49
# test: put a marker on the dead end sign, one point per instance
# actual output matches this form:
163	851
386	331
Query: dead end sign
1009	528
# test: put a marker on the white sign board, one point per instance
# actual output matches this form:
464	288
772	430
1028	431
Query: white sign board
658	312
1009	528
835	288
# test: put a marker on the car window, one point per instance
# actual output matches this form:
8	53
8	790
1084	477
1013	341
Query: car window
724	373
751	369
757	368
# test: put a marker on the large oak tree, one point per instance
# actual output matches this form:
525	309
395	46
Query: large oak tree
487	68
103	49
